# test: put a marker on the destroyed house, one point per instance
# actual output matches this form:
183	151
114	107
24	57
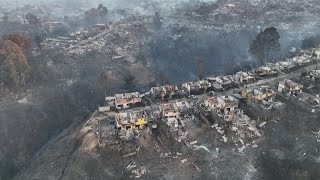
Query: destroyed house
164	92
102	26
122	101
266	71
170	115
215	85
133	120
244	78
211	79
197	88
315	74
259	94
184	107
308	52
285	66
222	106
224	81
229	103
301	61
289	87
317	53
169	110
127	100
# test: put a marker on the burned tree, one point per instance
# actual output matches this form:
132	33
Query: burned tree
163	78
311	42
103	80
38	39
32	19
200	69
5	19
61	30
94	15
129	82
102	11
157	20
266	45
229	64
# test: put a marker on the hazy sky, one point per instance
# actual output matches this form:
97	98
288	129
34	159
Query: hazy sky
89	3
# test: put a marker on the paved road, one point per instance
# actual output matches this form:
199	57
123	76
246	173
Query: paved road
275	80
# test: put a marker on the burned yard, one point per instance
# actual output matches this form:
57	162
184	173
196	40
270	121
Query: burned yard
198	137
161	89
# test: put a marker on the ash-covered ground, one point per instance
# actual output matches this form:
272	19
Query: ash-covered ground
215	31
287	149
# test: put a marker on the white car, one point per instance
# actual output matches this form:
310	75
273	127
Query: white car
192	97
211	93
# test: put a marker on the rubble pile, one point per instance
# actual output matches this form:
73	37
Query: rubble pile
120	40
174	114
136	170
317	135
245	132
107	132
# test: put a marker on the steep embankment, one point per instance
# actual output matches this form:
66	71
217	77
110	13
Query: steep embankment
27	124
73	154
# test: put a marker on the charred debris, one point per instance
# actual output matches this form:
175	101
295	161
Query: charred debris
235	107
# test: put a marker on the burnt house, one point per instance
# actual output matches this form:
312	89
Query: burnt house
122	101
170	115
166	92
197	88
215	85
290	88
266	72
219	109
